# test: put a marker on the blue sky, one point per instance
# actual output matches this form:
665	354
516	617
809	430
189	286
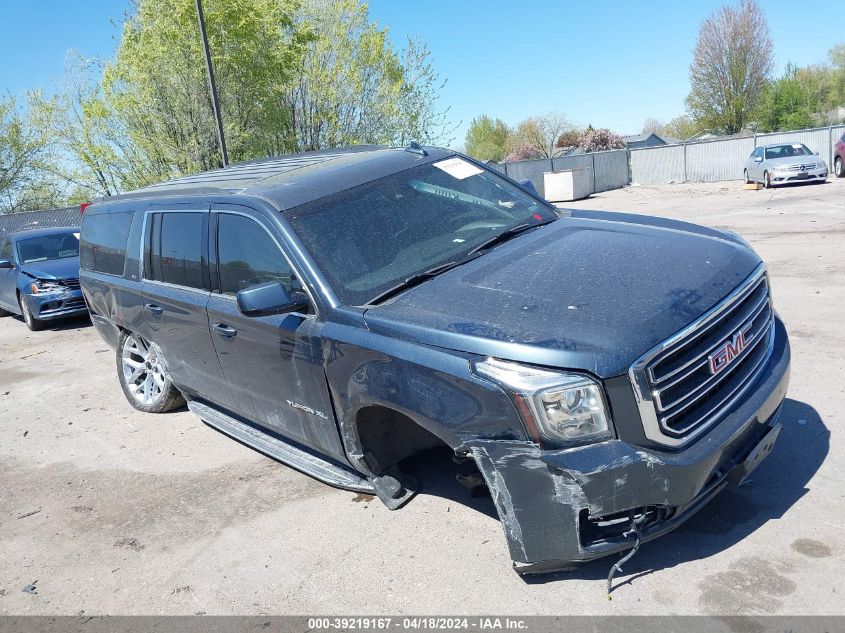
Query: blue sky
610	64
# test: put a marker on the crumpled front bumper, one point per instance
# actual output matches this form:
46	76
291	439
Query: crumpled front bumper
552	502
57	305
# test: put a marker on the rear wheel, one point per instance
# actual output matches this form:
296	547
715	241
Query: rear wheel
838	167
767	182
144	377
31	321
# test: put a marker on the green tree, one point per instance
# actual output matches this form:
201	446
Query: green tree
24	186
540	133
90	149
487	138
787	104
731	65
682	127
353	87
157	84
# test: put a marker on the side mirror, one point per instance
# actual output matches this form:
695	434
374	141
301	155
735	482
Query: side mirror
817	153
527	184
270	298
5	263
759	159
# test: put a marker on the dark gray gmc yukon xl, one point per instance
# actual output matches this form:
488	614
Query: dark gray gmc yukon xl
341	311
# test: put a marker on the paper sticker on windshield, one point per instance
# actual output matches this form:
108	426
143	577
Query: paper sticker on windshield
458	168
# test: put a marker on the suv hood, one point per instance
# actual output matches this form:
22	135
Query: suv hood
66	268
592	291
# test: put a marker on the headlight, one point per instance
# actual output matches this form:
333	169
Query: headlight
40	287
563	407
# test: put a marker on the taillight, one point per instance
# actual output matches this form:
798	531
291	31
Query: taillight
84	206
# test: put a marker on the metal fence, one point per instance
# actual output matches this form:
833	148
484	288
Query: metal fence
609	170
14	222
720	159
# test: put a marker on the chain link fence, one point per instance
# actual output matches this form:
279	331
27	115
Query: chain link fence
720	159
608	170
14	222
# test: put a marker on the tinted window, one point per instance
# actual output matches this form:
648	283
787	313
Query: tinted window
175	253
787	151
103	242
249	256
48	247
369	238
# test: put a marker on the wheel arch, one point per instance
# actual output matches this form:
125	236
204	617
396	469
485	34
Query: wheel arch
382	436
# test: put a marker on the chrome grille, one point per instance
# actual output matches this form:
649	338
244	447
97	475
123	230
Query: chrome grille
678	392
804	167
73	284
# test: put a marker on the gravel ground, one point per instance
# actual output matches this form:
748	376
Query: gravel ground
110	511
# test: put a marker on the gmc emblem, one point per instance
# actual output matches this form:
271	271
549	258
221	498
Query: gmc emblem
727	353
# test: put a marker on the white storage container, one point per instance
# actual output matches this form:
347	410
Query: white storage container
570	184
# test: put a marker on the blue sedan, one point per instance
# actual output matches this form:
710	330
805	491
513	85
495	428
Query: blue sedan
39	276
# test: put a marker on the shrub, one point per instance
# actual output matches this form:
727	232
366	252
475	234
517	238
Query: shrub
600	140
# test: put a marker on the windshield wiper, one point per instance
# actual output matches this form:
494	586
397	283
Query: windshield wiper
506	235
417	279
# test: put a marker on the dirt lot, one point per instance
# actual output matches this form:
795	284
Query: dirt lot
107	510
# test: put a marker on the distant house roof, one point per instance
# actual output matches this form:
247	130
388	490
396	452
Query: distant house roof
648	140
559	152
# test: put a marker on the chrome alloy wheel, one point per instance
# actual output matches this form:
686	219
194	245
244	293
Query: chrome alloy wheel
26	312
143	370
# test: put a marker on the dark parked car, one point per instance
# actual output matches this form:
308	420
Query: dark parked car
39	276
604	374
839	157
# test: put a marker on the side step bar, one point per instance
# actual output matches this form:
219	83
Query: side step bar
292	456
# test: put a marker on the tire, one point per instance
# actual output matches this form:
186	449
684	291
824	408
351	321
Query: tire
838	167
745	173
142	372
32	323
767	183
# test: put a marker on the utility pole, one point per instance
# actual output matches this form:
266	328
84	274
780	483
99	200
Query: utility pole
212	86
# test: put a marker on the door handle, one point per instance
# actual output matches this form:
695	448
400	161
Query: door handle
225	331
154	309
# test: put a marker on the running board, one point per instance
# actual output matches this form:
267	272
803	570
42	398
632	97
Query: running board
289	455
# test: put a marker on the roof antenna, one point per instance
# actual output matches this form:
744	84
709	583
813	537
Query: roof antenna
416	148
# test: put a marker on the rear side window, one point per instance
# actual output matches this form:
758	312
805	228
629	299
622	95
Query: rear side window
102	246
248	256
175	253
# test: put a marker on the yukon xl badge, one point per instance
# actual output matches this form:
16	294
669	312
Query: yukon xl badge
726	354
302	407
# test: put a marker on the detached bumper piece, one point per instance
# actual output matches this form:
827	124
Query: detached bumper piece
565	507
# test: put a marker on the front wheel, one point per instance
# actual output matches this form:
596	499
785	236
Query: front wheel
32	323
838	167
767	181
144	377
747	179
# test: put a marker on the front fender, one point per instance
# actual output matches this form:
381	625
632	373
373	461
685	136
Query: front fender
435	388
